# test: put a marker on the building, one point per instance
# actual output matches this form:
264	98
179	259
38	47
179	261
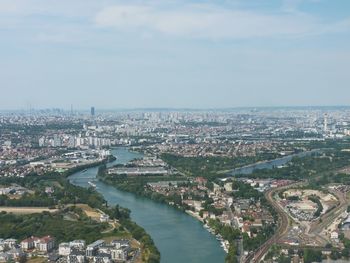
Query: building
56	141
334	235
346	224
92	249
16	253
92	111
64	249
2	245
102	258
97	252
28	243
5	257
44	244
201	180
41	141
122	243
10	243
325	123
79	244
228	187
12	253
104	218
49	190
76	256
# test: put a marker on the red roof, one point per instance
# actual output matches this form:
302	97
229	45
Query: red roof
46	239
30	239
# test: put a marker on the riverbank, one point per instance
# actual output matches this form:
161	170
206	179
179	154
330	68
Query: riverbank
269	164
62	196
179	237
138	187
222	230
180	196
149	252
80	168
225	244
191	213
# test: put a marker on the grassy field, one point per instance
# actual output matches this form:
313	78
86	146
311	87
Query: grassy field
90	212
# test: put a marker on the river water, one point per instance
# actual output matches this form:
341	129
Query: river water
179	237
249	169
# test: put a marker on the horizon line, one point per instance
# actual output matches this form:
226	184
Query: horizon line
175	108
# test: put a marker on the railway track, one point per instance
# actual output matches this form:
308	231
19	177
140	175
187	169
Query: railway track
283	225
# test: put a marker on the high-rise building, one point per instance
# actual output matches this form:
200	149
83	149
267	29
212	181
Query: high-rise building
41	141
56	141
92	111
325	123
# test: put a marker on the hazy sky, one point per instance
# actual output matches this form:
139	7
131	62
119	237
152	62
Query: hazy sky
174	53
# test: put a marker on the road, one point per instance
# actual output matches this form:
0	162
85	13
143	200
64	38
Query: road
283	225
284	221
329	217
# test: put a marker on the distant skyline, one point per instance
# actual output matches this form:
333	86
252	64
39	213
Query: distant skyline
232	109
174	54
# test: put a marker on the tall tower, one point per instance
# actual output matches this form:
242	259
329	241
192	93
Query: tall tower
92	111
325	123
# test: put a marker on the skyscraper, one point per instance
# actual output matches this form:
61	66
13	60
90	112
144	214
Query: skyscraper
92	111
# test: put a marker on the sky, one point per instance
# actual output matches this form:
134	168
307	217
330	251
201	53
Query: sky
174	53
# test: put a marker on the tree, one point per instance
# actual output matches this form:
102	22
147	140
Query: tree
335	255
284	259
312	256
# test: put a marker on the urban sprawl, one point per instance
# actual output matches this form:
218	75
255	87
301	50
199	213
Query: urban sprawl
272	185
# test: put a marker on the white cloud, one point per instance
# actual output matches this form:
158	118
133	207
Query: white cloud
167	17
205	21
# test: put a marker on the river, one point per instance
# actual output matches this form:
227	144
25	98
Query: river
179	237
249	169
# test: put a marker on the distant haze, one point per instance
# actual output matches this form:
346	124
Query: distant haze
164	53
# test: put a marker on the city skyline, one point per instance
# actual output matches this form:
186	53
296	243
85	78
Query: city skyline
166	54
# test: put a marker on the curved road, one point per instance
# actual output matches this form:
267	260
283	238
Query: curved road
283	224
329	217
